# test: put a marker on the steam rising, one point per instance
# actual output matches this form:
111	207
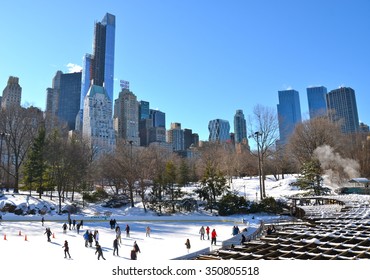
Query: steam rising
337	170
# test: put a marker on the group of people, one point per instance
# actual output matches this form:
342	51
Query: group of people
207	230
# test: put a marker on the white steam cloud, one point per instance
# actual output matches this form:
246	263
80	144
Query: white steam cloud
73	68
337	170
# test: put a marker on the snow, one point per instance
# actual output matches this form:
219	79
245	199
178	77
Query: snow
24	250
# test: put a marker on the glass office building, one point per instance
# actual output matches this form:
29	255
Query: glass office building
289	113
219	130
342	108
316	97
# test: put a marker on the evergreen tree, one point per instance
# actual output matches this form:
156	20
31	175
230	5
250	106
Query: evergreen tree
35	166
311	179
171	188
213	184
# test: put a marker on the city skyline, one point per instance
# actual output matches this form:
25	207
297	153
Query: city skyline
195	61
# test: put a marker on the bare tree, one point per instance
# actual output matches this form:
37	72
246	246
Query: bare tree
263	128
314	133
20	125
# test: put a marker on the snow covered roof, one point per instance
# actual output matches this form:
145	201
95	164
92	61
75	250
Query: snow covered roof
359	180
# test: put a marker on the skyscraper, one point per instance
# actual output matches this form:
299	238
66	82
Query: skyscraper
289	113
98	123
175	136
219	130
63	99
12	93
342	108
143	110
316	97
158	117
98	68
126	117
240	126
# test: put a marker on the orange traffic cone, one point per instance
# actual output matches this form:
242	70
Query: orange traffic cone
25	237
20	233
4	236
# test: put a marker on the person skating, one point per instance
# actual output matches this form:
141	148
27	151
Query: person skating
136	247
147	231
91	238
115	246
127	231
213	236
99	250
133	254
187	244
207	231
86	237
202	232
66	249
48	233
64	228
118	234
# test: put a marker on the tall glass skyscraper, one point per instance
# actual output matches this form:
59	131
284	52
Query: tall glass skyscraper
289	113
98	68
316	97
240	126
219	130
63	99
342	108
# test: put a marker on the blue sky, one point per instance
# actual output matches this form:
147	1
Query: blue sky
195	60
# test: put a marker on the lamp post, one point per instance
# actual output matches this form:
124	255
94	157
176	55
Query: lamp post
258	134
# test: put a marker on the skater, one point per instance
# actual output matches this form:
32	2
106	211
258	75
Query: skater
96	237
48	233
74	224
91	238
118	234
127	231
187	244
133	254
69	223
202	231
82	224
99	250
207	231
136	247
115	246
64	228
213	236
42	221
86	237
147	231
66	249
78	228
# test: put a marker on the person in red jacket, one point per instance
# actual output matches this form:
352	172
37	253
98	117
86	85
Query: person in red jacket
207	231
213	236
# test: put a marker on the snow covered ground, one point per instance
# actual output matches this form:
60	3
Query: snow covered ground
25	252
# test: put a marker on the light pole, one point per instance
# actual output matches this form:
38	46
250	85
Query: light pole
258	134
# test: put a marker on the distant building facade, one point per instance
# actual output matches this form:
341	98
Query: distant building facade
175	136
289	114
12	93
98	123
342	108
316	97
240	127
126	117
219	130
